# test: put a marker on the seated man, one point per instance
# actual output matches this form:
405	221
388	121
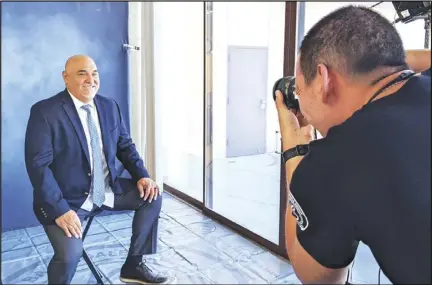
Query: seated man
71	143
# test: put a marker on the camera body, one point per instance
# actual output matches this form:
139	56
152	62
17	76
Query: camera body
286	85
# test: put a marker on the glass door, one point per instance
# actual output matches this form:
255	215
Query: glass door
244	57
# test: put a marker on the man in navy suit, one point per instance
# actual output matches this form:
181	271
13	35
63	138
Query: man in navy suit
72	140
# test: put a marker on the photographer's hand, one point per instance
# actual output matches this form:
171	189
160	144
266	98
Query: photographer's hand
294	128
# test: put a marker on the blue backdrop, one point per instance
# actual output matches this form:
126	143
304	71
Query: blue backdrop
36	40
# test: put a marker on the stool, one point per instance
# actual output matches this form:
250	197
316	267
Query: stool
96	273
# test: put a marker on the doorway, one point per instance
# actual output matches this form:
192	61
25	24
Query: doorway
246	101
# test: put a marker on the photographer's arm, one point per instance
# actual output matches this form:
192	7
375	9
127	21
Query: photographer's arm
306	267
418	60
319	247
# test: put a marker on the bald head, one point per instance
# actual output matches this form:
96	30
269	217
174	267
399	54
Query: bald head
81	77
77	60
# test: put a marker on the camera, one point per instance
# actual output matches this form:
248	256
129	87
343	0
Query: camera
286	85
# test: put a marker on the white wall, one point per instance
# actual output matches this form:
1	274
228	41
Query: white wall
259	24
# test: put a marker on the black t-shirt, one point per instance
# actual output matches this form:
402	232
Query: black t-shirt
369	180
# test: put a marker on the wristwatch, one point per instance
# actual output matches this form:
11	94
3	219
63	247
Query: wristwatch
298	150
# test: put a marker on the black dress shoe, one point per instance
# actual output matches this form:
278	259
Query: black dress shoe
141	274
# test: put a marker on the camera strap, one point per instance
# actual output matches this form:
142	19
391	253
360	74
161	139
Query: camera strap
406	74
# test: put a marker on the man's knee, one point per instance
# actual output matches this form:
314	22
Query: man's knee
69	253
155	205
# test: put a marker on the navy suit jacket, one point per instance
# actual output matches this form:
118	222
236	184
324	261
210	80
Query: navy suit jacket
57	156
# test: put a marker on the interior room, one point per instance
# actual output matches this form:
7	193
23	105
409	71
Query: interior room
177	71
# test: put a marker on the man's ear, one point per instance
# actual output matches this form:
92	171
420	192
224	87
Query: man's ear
323	83
64	75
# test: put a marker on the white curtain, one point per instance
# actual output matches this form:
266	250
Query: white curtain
145	111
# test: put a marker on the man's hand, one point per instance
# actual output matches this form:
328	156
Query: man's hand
148	189
70	224
294	128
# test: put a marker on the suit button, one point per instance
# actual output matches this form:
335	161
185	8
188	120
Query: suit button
86	193
89	174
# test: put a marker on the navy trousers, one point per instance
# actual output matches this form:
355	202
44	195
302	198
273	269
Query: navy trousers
68	251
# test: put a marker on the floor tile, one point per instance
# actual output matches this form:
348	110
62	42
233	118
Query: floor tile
35	231
166	222
96	228
101	238
202	254
122	233
170	262
111	270
170	205
193	278
112	218
19	254
13	234
177	237
107	252
291	279
187	216
13	240
27	271
118	225
231	273
209	230
237	247
39	239
268	266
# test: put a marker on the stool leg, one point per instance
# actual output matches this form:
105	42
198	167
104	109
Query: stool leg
87	259
93	269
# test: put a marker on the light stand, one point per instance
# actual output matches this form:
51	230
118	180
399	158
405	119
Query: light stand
427	26
427	30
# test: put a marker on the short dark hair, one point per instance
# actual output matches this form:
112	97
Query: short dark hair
355	40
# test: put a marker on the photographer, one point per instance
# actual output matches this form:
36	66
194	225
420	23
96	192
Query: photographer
369	178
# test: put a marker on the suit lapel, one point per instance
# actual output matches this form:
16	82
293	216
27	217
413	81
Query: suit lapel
103	124
72	113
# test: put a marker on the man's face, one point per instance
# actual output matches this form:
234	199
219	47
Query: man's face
81	78
307	96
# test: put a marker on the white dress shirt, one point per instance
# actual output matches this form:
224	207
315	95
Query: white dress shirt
109	194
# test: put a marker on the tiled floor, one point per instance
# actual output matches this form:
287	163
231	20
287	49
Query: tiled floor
192	247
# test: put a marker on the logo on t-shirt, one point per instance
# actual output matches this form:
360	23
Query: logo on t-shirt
297	212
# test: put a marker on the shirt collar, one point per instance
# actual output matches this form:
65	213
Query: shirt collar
78	104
